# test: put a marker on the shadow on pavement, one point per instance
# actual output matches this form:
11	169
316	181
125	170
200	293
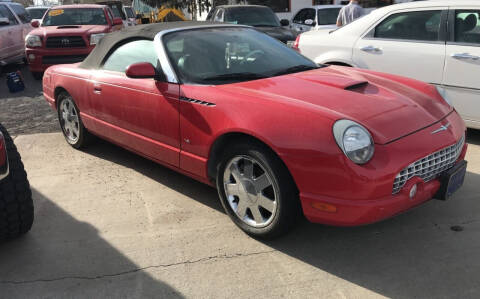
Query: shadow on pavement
415	254
165	176
64	257
473	136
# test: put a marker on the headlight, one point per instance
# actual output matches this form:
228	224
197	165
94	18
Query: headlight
95	38
33	41
442	92
354	140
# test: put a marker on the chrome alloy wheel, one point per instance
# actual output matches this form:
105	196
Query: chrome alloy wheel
250	191
70	120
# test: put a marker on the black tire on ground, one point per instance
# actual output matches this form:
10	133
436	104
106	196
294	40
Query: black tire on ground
288	205
84	137
16	204
37	75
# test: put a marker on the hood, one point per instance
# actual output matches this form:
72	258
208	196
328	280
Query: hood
280	33
69	30
389	109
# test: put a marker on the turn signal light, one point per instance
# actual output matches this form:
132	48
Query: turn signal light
325	207
296	44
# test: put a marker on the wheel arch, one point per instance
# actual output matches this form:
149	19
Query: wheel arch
56	93
223	141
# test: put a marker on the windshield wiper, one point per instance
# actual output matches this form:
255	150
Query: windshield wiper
296	69
235	76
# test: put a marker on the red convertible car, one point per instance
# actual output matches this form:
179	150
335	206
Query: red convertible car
276	134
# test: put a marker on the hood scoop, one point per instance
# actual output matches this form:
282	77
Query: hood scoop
341	82
68	27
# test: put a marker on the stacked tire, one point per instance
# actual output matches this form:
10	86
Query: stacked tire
16	204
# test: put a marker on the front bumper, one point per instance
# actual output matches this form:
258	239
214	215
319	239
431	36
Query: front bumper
370	199
39	59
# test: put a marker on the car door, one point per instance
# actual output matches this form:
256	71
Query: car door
24	18
11	42
406	43
140	114
298	21
462	66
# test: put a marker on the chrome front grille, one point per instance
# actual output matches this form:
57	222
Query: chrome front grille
431	166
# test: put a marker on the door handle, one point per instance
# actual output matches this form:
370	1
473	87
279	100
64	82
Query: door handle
464	56
97	88
371	49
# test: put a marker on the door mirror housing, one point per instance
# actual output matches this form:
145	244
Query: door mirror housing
144	70
310	22
4	21
284	22
35	23
117	21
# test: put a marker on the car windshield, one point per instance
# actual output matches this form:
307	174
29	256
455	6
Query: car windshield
252	16
117	11
75	16
36	13
129	12
328	16
227	55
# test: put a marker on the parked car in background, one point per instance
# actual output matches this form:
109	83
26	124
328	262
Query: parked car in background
261	17
16	204
130	15
273	131
118	11
434	41
68	33
14	26
37	12
316	17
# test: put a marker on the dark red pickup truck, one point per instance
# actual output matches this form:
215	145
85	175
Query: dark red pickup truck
67	34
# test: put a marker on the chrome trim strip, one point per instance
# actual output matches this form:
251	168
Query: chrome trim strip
162	53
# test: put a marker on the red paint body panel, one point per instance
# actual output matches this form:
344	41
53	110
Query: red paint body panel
37	65
292	114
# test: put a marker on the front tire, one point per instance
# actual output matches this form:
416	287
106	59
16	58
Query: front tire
37	75
16	204
257	191
73	129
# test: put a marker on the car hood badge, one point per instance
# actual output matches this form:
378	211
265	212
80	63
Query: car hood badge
442	128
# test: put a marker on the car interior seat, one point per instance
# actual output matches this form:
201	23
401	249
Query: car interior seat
464	26
196	59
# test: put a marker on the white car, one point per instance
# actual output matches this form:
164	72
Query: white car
316	17
434	41
37	12
14	26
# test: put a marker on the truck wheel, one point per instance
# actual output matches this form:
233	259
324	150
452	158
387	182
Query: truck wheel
37	75
16	204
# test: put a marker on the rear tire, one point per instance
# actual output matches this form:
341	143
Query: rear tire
240	172
73	129
16	204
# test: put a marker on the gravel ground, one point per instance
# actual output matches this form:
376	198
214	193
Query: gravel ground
25	112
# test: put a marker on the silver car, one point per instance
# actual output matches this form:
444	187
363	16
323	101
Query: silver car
14	26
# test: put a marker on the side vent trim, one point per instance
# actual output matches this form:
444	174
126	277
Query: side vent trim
196	101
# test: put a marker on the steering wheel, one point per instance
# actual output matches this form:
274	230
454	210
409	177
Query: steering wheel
253	54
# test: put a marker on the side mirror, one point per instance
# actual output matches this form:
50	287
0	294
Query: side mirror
4	21
284	22
35	23
310	22
117	21
143	70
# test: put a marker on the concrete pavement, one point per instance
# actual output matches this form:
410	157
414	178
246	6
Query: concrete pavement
110	224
